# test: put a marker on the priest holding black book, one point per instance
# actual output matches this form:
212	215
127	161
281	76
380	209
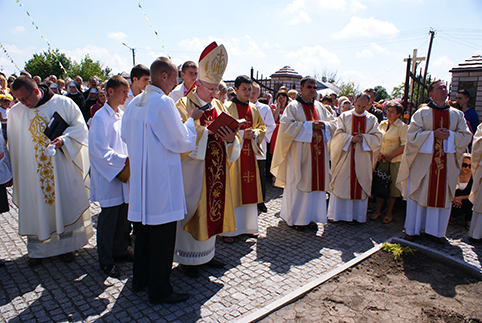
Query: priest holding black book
49	184
205	171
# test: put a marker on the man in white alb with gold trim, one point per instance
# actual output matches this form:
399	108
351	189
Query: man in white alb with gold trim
205	171
50	191
301	158
354	152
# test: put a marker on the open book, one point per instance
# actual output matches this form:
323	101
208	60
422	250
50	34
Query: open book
226	120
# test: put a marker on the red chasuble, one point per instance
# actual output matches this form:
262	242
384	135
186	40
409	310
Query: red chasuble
358	126
438	169
317	151
215	175
249	187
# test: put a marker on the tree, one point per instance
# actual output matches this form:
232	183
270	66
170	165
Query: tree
88	68
397	92
380	93
48	63
326	76
56	63
349	87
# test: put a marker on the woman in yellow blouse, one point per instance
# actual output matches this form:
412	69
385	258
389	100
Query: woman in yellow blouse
394	139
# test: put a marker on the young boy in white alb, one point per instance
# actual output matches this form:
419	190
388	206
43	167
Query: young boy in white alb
109	174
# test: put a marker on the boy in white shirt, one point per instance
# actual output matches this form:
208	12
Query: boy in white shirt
109	174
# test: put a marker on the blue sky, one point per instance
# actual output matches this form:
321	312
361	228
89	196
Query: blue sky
364	41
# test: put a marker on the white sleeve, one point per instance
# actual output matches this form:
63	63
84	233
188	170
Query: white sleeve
306	132
449	143
427	147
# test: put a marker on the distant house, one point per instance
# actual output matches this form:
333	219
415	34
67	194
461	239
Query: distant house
468	75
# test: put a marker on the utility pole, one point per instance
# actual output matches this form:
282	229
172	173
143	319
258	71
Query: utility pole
432	34
133	54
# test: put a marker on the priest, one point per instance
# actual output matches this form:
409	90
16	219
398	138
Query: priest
301	158
205	171
50	185
354	152
436	140
475	231
245	181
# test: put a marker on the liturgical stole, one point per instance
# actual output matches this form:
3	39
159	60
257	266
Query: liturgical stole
317	151
438	169
249	187
358	126
215	176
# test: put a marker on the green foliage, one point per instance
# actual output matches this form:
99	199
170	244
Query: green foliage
348	88
48	63
397	92
88	68
397	250
380	93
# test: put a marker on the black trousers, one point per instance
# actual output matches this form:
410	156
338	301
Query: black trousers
465	210
262	176
153	256
112	234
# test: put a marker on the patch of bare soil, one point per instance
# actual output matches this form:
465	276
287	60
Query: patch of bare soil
415	289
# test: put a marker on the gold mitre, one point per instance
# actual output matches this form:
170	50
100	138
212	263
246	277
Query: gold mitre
212	63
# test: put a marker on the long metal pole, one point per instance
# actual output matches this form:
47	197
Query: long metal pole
432	34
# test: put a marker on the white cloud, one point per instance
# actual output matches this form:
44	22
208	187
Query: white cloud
118	35
299	11
374	49
19	29
105	57
308	59
366	53
366	27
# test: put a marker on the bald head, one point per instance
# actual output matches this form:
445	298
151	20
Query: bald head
163	73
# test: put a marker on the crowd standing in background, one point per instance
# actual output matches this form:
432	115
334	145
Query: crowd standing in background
166	166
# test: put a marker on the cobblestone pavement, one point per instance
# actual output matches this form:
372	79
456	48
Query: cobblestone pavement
257	272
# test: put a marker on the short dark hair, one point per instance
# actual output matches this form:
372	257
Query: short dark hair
369	90
308	79
395	105
186	65
25	73
25	82
139	71
114	82
162	65
362	95
431	86
327	98
242	79
464	92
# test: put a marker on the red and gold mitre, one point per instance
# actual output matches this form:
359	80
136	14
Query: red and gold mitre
213	63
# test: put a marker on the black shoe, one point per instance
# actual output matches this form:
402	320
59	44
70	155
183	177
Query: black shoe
32	262
300	228
125	258
215	264
136	288
313	226
472	240
2	263
262	208
173	298
67	257
111	271
191	271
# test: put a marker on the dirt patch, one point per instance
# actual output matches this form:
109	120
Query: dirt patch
415	289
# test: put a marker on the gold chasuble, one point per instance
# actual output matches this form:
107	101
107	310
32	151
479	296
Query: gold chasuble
317	151
245	174
476	196
433	176
214	213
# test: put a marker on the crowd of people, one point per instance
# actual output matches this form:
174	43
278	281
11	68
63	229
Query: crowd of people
176	166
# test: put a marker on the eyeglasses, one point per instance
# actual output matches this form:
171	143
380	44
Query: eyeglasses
215	91
23	100
311	87
466	165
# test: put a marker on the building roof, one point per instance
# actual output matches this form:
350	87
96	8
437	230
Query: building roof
286	72
471	64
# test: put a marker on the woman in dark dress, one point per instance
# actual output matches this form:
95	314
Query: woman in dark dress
461	204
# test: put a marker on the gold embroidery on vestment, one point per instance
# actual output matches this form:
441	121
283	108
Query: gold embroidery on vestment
45	168
217	187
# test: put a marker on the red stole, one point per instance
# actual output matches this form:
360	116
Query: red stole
249	180
317	151
438	169
358	126
215	175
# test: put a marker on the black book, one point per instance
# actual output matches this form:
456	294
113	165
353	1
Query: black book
56	126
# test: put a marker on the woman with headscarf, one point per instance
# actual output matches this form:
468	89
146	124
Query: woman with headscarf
73	92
